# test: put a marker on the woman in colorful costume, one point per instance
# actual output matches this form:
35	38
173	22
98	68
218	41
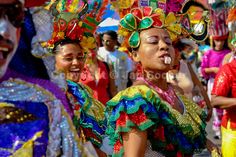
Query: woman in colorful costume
34	120
224	97
150	118
68	46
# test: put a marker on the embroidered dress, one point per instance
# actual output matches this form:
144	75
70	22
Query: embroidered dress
89	114
33	120
225	85
169	132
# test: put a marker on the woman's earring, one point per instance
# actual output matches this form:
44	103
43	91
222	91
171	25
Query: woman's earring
84	75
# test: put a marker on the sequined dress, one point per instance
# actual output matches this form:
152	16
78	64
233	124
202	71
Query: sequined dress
169	132
33	120
89	114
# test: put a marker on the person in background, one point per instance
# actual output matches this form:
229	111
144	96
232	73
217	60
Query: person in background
212	59
224	94
28	104
119	61
97	75
224	97
211	62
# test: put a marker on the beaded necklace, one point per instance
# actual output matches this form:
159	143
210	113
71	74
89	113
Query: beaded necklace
168	95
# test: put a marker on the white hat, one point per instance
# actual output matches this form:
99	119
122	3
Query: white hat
188	42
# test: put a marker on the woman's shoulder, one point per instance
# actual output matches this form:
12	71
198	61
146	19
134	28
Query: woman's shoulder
133	92
78	86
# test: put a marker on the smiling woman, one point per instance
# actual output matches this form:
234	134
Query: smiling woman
69	59
89	118
69	44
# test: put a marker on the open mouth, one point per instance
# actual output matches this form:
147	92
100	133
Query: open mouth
166	58
75	70
5	50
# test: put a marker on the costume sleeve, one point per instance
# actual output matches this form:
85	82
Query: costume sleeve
205	64
131	108
223	82
92	113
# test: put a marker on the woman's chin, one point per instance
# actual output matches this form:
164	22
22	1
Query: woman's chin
74	77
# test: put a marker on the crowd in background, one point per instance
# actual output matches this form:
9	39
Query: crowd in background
75	92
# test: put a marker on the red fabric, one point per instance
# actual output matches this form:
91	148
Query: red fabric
160	133
88	132
117	147
224	37
225	85
137	118
34	3
100	90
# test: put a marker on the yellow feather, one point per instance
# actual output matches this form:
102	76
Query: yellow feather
74	6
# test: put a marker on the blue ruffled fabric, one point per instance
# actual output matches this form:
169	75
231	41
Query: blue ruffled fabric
87	121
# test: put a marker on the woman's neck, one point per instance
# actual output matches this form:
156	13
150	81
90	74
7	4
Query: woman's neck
157	79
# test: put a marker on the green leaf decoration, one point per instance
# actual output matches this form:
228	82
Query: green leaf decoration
145	23
134	40
124	24
131	20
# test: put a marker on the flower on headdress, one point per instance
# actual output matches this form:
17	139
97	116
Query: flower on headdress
139	20
88	42
233	41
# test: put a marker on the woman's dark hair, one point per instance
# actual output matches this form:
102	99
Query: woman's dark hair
112	34
65	42
225	46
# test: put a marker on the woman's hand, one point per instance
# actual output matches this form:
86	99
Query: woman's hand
212	70
213	149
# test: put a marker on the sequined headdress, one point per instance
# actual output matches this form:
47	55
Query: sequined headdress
218	15
140	19
74	20
174	18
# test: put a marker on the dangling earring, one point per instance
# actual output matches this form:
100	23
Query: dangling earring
84	75
139	70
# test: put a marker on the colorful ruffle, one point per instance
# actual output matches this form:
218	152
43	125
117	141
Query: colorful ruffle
169	131
92	113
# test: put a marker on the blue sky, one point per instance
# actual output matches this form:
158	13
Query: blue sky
110	13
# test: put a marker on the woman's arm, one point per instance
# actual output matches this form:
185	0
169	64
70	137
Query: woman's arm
222	102
135	143
196	82
211	147
211	70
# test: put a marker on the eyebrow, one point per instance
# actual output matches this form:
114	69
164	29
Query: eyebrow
156	36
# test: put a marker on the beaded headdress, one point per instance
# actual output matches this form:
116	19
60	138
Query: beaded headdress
173	18
75	20
218	14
